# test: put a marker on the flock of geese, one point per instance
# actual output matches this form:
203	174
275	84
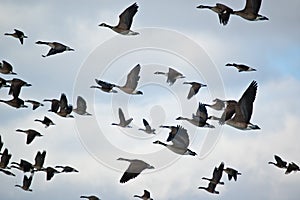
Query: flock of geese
236	113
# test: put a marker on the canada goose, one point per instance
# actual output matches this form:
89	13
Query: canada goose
125	21
148	128
194	89
134	169
65	109
222	10
56	47
200	118
67	169
81	107
31	134
9	173
241	67
35	104
123	123
132	81
250	12
24	166
3	83
17	34
5	157
6	68
16	85
232	173
292	167
210	188
50	172
172	75
39	160
145	196
54	104
279	162
92	197
47	121
26	183
217	175
243	110
15	102
105	86
180	141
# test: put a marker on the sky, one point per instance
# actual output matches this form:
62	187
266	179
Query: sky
177	35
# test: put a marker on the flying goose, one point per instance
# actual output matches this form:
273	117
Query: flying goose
232	173
250	12
123	123
241	67
47	121
50	172
65	109
148	128
200	118
56	47
81	107
92	197
292	167
279	162
125	21
39	160
218	105
105	86
26	183
180	141
16	85
3	83
194	88
17	34
145	196
242	110
172	75
222	10
54	104
31	134
132	81
35	104
6	68
5	157
134	169
24	166
9	173
15	102
210	188
67	169
217	175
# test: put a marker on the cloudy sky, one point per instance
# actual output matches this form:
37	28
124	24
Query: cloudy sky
178	35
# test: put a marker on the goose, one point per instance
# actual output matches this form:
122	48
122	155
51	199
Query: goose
292	167
172	75
50	172
67	169
250	12
125	21
132	82
232	173
16	85
194	88
123	123
180	141
134	169
54	104
145	196
24	166
6	68
39	160
17	34
200	118
222	10
3	83
46	121
65	109
104	86
81	106
35	104
5	157
242	110
56	47
279	162
31	134
148	128
217	175
210	188
26	183
15	102
241	67
218	105
9	173
91	197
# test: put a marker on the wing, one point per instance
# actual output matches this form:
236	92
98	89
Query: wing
253	5
63	102
145	123
55	105
229	111
225	13
81	104
146	194
121	116
133	170
104	84
30	138
7	65
279	160
181	139
193	90
126	17
133	77
202	112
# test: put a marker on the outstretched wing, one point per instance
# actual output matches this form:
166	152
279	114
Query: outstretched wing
181	138
121	116
126	17
133	77
81	104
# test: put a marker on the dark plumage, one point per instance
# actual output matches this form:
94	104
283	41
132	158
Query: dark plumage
17	34
105	86
222	10
47	121
279	162
195	87
250	11
31	134
241	67
6	68
35	104
56	48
